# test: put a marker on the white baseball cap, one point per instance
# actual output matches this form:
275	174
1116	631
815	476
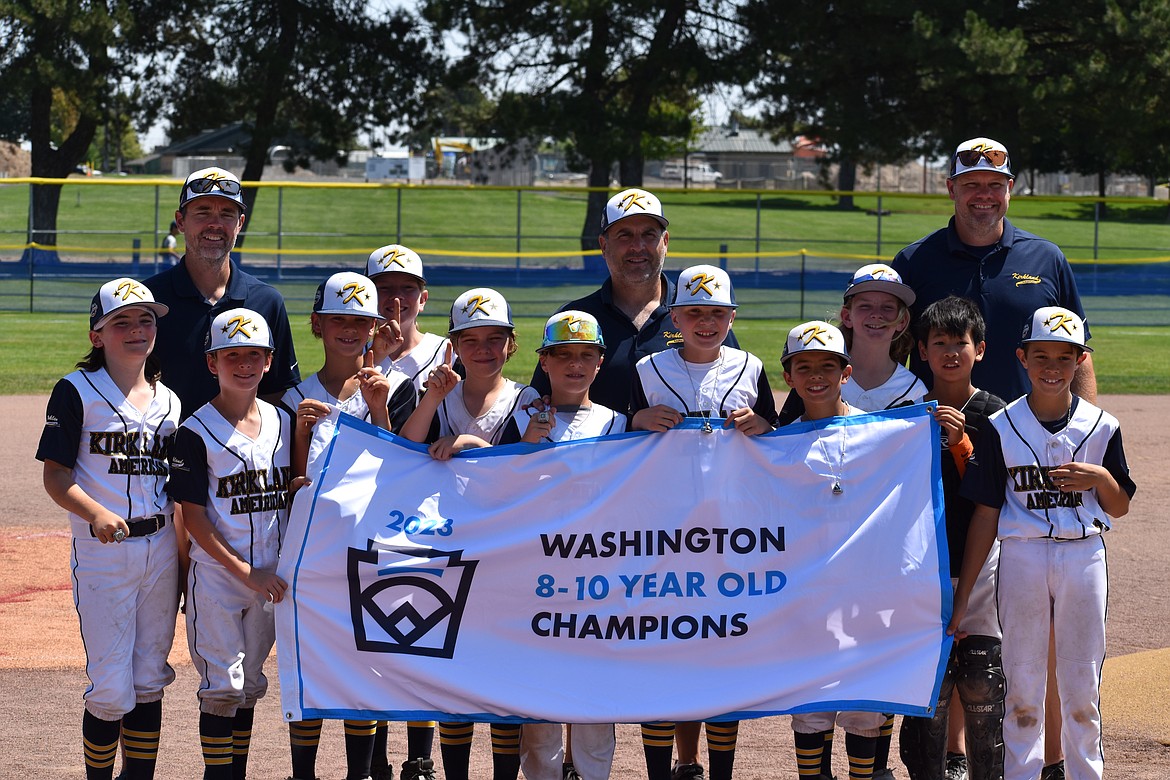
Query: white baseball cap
981	154
878	277
395	258
571	327
479	308
632	203
347	293
704	285
207	182
814	336
1055	323
238	328
118	294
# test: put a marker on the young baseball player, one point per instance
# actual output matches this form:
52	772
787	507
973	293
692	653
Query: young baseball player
703	378
230	469
402	295
397	272
570	353
108	429
875	319
950	339
345	316
1048	474
817	368
457	414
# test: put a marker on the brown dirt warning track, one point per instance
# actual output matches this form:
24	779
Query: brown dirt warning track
42	660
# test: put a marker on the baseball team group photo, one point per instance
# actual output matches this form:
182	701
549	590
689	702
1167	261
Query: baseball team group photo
873	546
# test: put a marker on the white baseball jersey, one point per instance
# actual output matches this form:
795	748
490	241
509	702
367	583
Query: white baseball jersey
124	593
402	400
452	417
734	381
572	424
901	389
241	483
118	454
1031	506
417	363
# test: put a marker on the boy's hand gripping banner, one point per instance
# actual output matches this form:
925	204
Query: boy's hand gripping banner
681	576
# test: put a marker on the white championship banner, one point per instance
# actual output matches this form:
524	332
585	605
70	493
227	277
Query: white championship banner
683	575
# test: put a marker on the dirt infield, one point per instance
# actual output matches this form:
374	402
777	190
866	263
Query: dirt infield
42	660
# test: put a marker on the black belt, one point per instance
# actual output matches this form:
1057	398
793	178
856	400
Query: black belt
143	526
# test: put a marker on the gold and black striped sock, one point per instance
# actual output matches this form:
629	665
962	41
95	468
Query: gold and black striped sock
141	727
505	751
881	758
359	748
99	740
241	742
304	737
658	745
215	736
721	741
861	751
810	749
827	754
455	747
420	738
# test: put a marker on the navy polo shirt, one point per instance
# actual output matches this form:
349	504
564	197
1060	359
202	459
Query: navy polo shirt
182	333
1009	280
625	344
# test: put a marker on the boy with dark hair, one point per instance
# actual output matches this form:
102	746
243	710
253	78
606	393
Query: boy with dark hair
1046	479
950	335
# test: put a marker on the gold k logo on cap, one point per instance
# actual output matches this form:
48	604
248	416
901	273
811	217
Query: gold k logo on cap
1060	321
634	198
238	325
700	281
394	257
814	333
127	289
353	292
480	303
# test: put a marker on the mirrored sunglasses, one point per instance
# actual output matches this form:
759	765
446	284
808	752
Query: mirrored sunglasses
970	157
203	186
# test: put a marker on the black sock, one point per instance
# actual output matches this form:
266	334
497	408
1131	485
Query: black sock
359	747
420	738
505	751
861	751
303	739
810	750
141	727
100	744
721	741
241	742
215	736
455	747
658	745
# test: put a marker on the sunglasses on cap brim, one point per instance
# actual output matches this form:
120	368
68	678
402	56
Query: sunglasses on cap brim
970	157
203	186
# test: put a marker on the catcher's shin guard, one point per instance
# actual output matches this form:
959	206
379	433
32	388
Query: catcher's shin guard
982	688
922	742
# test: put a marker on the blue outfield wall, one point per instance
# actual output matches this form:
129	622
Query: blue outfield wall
1125	293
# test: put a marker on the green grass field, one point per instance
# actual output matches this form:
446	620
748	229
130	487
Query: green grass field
102	220
38	349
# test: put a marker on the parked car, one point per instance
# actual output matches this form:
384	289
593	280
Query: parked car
698	172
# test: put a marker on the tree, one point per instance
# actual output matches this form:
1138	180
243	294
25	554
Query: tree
848	73
309	74
81	52
608	77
